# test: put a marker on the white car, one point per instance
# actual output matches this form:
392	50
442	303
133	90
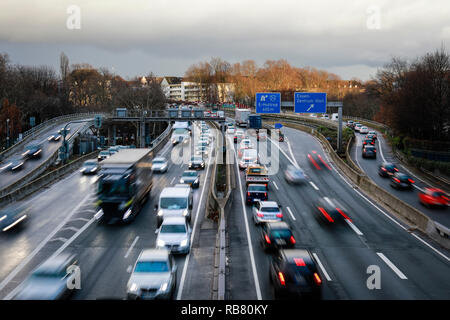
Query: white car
358	126
160	164
364	130
246	143
266	211
174	234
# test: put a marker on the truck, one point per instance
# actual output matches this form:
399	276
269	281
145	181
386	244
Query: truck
124	184
241	117
256	173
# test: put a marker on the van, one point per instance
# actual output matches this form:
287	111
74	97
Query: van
174	201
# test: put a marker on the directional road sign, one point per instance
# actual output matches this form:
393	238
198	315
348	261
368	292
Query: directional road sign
268	102
278	126
310	102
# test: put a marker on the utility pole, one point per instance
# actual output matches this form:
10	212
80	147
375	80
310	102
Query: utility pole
7	133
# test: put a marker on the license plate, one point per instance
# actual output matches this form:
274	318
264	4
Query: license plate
280	242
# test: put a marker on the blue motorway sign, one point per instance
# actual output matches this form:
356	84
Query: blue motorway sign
310	102
268	102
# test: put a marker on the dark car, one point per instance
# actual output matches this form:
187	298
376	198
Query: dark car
13	164
12	217
256	192
401	181
33	151
368	142
276	235
197	162
387	169
293	273
191	178
329	210
54	137
317	160
369	152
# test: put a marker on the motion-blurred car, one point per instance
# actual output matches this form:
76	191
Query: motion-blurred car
231	130
317	160
266	211
433	197
33	151
160	164
174	234
256	192
191	178
276	235
113	150
196	162
364	130
54	137
373	134
401	181
14	164
154	276
201	151
294	175
90	167
103	155
329	210
293	273
50	280
387	169
61	131
369	152
12	217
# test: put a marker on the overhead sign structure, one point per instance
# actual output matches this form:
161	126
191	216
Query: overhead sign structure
268	102
310	102
335	104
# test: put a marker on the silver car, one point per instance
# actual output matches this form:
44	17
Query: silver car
294	175
160	164
50	280
174	235
266	211
154	276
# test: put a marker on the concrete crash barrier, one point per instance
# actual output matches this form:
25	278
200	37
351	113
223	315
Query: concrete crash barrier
408	214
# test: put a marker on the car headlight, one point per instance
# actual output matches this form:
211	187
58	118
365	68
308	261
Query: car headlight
181	180
83	170
160	213
190	163
93	170
183	243
185	212
196	181
133	288
160	243
164	286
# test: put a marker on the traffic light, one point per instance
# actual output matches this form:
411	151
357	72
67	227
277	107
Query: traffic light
98	121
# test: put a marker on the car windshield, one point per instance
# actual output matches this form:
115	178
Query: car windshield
281	233
257	188
158	161
370	148
270	209
173	228
189	174
151	266
104	153
113	188
90	163
173	203
196	159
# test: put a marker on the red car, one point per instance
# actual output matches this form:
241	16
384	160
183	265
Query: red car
434	197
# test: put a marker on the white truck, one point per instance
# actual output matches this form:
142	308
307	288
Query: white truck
241	117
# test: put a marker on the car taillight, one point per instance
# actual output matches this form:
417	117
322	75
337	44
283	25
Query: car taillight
322	210
248	194
397	180
265	194
411	180
292	239
317	279
279	215
267	238
384	169
445	198
281	278
396	169
260	214
343	214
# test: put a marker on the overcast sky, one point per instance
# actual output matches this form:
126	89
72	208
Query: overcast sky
351	38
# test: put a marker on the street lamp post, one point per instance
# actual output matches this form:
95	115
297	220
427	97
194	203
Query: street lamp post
7	133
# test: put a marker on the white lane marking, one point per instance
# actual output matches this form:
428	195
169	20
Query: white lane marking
313	185
354	228
328	200
59	239
282	151
292	154
99	214
325	273
57	252
274	183
249	240
380	146
40	246
392	266
290	212
131	247
173	179
418	188
186	262
70	229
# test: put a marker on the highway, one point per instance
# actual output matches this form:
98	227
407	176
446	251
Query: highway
410	268
370	167
48	148
105	252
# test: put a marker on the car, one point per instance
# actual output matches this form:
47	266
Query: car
153	277
246	143
61	131
266	211
374	134
262	136
401	180
33	151
50	280
103	155
357	126
369	152
231	130
197	162
256	192
10	218
174	234
433	197
113	150
317	160
201	151
90	167
329	211
14	164
203	142
160	164
364	129
293	273
387	169
238	136
350	124
276	235
368	142
294	175
191	178
54	137
249	156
